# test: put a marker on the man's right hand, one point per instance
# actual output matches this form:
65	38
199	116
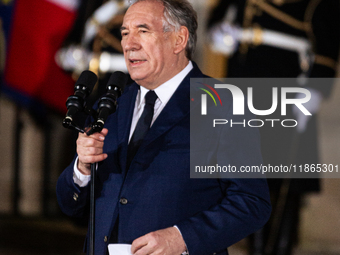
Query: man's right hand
90	150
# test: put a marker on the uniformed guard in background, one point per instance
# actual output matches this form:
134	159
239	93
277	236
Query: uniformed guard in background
279	39
94	42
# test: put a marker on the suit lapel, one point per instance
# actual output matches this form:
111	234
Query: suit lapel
126	105
176	109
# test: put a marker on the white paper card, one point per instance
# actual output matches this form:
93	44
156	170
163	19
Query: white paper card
120	249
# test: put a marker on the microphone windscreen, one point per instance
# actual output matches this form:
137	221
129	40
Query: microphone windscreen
87	79
118	79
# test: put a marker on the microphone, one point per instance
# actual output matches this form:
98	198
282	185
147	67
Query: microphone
107	104
76	102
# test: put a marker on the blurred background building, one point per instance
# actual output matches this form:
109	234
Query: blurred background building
44	45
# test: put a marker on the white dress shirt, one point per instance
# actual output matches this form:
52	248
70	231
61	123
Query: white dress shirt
164	92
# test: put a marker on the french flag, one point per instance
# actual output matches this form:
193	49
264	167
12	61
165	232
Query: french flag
38	30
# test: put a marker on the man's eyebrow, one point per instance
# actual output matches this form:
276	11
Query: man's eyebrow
138	26
143	26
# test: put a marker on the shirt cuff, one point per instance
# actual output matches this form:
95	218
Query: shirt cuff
80	179
185	252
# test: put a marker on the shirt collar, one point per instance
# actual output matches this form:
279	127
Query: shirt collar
168	88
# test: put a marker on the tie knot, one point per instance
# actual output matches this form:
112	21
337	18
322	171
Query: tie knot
150	97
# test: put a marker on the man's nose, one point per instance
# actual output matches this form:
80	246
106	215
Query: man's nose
131	43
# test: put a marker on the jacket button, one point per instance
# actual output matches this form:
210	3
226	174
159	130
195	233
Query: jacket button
105	239
75	196
123	201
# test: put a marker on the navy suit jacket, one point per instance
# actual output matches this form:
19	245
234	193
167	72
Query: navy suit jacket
211	214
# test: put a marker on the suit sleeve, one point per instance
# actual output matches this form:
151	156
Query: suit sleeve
72	199
245	206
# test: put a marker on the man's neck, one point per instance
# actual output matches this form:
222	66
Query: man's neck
180	65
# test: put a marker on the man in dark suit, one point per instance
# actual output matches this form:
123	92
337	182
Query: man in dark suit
145	196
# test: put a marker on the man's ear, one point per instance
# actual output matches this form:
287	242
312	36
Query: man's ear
182	37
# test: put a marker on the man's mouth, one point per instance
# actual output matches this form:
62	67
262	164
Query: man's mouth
136	61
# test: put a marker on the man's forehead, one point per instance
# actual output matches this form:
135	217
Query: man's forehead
145	13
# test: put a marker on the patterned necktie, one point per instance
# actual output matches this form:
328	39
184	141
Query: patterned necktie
142	127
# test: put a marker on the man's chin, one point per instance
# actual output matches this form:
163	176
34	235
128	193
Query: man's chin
140	76
144	83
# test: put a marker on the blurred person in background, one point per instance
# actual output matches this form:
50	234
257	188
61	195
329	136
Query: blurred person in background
281	39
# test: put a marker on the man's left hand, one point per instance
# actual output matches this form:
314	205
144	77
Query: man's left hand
167	241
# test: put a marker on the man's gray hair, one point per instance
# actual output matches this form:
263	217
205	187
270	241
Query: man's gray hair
179	13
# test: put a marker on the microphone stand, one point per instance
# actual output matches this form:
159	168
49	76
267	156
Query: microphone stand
107	106
92	209
68	123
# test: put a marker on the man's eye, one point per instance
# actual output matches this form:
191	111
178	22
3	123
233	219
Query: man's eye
124	33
